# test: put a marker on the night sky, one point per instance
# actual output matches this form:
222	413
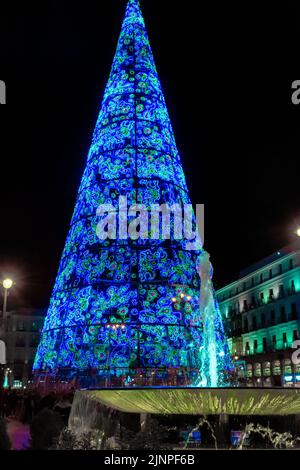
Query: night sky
226	72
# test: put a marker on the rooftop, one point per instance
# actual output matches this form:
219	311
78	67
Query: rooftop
286	250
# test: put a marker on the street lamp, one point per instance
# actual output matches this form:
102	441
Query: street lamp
298	232
7	284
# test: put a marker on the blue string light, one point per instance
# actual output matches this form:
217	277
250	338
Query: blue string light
120	307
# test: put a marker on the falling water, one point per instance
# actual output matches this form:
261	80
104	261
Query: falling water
201	423
276	439
213	352
88	415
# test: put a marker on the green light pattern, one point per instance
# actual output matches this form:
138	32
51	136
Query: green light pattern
232	401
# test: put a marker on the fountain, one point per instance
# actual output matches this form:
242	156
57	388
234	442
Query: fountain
114	318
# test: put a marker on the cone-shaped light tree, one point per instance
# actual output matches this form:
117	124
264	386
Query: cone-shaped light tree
126	311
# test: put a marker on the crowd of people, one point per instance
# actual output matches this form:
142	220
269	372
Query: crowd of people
22	405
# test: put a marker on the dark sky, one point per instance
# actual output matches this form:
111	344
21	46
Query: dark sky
226	71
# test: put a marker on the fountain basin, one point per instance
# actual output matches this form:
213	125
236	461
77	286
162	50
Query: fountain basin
200	401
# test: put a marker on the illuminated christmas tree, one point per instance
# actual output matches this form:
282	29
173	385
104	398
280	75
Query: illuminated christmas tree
122	310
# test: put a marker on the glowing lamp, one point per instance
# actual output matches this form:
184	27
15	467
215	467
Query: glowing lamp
174	299
182	295
298	232
7	283
189	297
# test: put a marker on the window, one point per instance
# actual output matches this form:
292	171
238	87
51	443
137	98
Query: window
20	325
244	286
284	341
281	291
252	282
271	294
253	301
291	264
282	314
249	370
265	347
17	384
34	326
276	368
263	320
280	269
294	310
272	317
245	305
246	324
255	346
293	290
274	342
267	369
261	278
270	274
247	348
262	297
257	369
287	366
254	323
295	335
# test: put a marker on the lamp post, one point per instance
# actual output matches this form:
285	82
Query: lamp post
7	284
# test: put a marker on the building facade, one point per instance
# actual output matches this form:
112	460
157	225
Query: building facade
261	311
21	335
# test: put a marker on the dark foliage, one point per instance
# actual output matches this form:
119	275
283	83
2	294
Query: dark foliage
68	440
45	429
154	438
